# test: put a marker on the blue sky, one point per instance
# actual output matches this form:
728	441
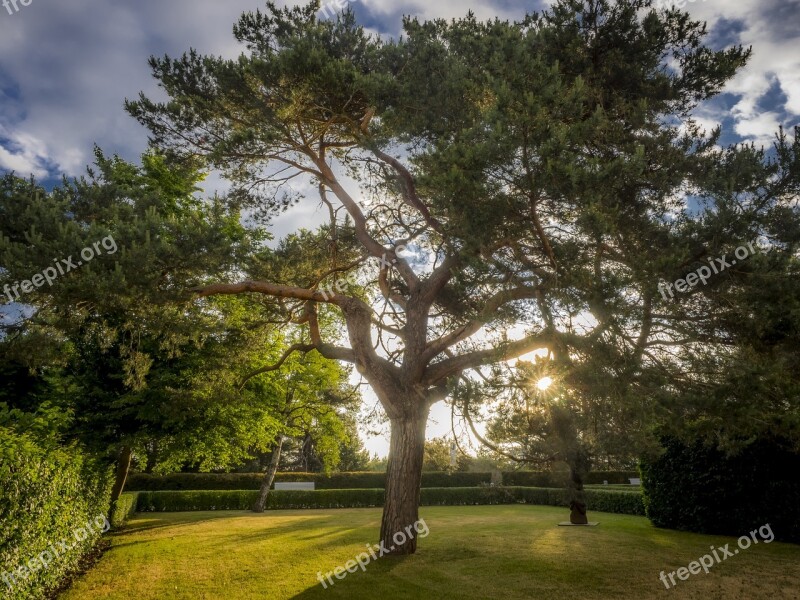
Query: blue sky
66	67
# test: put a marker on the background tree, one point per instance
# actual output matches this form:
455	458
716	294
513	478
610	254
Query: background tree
306	396
541	424
437	456
353	456
110	328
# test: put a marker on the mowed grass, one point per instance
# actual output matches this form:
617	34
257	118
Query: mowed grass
481	552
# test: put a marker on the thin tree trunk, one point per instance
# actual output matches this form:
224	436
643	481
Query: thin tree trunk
261	504
123	466
577	503
403	481
152	457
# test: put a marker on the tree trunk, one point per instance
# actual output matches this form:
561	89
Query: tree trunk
152	457
577	503
261	504
123	466
403	480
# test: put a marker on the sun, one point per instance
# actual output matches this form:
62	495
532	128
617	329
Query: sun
544	383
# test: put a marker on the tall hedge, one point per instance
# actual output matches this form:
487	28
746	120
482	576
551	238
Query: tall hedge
355	480
696	488
53	503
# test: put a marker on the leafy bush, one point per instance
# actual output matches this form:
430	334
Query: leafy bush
355	480
174	501
47	496
696	488
124	509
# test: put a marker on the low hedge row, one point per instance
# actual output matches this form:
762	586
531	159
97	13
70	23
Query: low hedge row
356	480
252	481
176	501
559	479
53	506
179	501
623	502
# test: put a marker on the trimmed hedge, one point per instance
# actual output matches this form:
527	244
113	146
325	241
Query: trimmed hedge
47	496
613	477
356	480
696	488
559	478
177	501
124	509
252	481
623	502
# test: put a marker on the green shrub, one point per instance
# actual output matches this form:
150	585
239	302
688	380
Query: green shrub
696	488
124	509
174	501
612	501
534	479
47	496
193	481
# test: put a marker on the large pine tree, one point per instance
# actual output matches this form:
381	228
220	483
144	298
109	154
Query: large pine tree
493	188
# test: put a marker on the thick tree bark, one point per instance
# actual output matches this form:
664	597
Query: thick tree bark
403	481
261	504
123	466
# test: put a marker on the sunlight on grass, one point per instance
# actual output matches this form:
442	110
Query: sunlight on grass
514	552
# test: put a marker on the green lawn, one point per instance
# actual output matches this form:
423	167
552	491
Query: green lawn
482	552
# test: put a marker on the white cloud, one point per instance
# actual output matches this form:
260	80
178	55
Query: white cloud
760	128
24	153
775	62
442	9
